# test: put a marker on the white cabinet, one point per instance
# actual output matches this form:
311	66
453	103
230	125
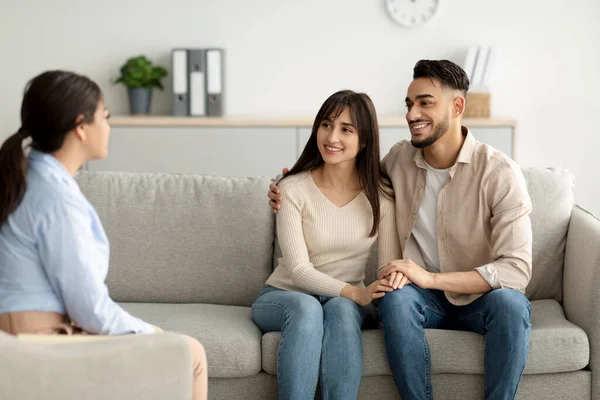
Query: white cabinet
500	138
249	147
200	150
389	137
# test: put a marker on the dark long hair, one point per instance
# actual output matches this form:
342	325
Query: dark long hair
364	118
54	103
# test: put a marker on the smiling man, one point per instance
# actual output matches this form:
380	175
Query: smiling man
462	213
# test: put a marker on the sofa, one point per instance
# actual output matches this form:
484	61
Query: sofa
190	253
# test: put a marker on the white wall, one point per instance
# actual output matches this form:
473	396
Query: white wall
285	57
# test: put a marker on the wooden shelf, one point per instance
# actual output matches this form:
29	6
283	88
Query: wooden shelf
167	120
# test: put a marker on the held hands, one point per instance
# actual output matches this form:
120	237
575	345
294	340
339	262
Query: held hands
409	270
397	280
274	196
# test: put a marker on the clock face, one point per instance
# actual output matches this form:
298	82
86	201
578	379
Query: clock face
412	13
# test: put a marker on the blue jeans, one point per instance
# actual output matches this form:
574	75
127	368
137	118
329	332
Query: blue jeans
502	315
320	339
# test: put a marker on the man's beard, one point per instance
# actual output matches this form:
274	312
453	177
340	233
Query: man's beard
438	132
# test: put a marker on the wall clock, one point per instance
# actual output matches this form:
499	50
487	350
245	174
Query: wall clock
412	13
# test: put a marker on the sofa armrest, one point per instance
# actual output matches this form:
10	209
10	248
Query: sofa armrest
126	367
581	289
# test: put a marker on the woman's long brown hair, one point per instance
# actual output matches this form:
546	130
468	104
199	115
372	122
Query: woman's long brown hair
364	119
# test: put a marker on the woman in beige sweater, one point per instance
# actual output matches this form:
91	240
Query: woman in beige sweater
334	210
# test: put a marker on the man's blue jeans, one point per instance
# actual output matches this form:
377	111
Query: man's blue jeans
502	315
320	339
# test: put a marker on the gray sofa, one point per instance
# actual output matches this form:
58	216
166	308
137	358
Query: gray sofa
191	253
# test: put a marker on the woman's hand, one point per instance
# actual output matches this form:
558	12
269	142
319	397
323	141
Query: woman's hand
397	280
364	296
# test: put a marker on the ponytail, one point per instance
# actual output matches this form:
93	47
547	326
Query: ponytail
52	104
12	174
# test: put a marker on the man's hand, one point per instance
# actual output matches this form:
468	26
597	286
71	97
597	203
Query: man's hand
274	196
364	296
417	275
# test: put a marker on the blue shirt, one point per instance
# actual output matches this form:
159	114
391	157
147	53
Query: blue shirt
54	254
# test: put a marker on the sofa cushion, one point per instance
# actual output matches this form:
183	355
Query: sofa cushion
564	386
556	346
552	196
184	238
231	339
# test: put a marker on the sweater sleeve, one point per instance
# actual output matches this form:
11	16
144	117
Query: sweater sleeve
388	243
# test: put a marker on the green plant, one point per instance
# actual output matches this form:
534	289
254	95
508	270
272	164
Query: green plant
138	72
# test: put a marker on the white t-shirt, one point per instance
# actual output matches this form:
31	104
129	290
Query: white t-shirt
425	230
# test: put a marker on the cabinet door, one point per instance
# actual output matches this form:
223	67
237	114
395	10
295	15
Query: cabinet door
388	137
302	136
501	138
200	150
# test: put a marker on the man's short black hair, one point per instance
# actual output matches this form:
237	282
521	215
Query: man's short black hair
448	73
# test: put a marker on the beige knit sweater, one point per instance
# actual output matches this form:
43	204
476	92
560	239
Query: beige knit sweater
326	247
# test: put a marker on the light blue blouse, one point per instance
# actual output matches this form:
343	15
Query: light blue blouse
54	254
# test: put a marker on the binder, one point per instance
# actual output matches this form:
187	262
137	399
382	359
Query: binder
470	61
489	65
197	82
180	101
480	66
214	82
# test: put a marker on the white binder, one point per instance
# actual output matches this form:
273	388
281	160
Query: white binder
197	70
214	82
180	100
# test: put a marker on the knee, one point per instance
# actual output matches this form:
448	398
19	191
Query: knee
342	311
510	306
306	313
400	304
340	306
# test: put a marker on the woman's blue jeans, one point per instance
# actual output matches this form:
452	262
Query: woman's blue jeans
321	339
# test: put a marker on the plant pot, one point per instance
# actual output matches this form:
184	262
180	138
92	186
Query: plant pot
140	100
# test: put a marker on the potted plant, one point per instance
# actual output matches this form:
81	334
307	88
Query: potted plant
140	77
